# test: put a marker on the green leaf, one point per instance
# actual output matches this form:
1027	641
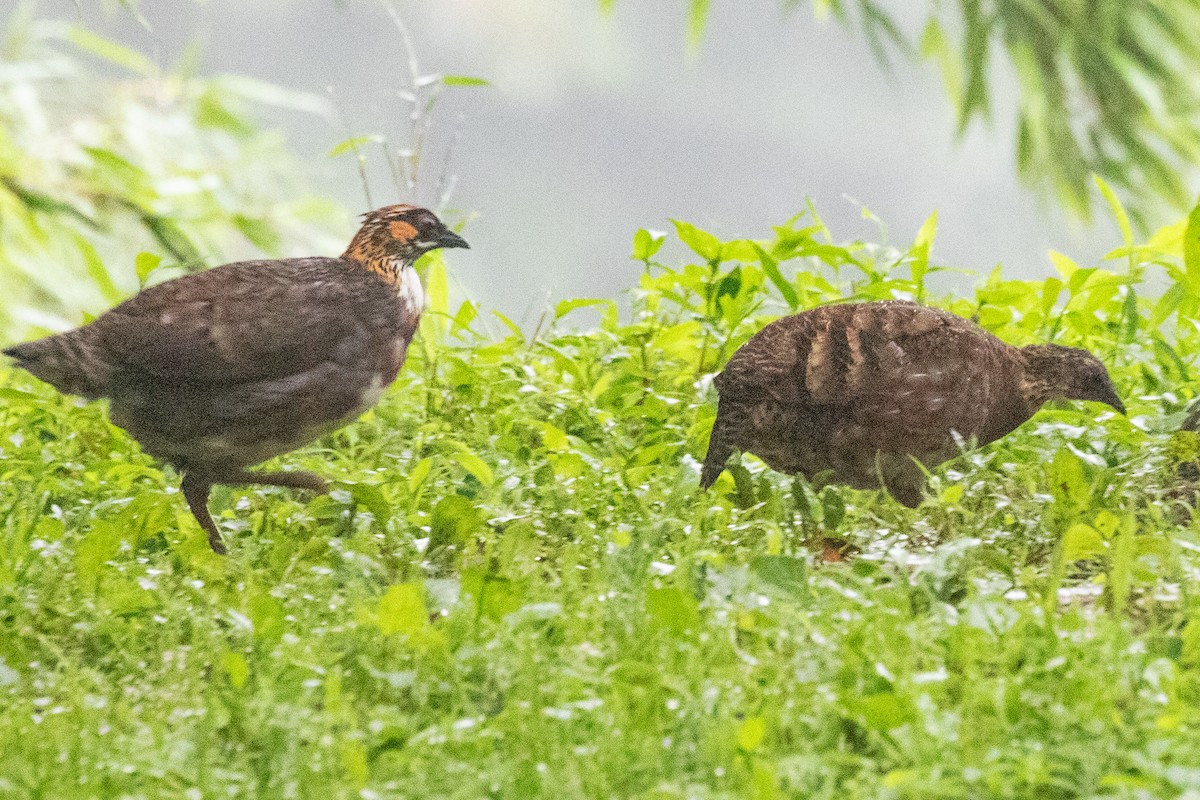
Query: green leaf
771	268
476	466
833	508
782	572
213	112
1191	248
1051	288
567	306
514	330
1082	541
495	596
1120	574
402	610
97	272
730	286
1129	316
101	544
454	520
418	474
1064	264
371	498
673	609
1118	210
920	251
464	80
697	20
1106	523
751	733
236	668
743	485
553	438
885	711
952	494
144	264
1067	481
111	51
173	239
467	313
437	290
266	614
44	203
259	232
702	243
935	45
353	144
646	243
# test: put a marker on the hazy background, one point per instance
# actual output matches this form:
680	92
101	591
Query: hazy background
599	125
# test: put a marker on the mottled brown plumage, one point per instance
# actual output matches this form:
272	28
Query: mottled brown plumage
859	391
217	371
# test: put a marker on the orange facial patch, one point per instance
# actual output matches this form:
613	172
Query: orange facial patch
402	231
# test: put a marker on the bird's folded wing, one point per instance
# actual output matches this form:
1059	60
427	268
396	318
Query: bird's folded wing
840	355
247	321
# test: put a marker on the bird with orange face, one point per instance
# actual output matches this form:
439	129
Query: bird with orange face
218	371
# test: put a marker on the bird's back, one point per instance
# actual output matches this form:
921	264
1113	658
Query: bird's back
835	387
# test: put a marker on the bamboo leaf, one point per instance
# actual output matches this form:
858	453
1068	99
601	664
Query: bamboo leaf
697	20
464	80
1191	247
1118	210
353	144
111	51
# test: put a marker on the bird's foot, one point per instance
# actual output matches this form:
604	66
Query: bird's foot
196	487
195	491
309	481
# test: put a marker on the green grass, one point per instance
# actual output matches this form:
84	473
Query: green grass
517	591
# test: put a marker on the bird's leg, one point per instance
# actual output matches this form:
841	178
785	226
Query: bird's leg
195	491
901	475
291	480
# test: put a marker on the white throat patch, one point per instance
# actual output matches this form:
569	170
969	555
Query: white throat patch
410	291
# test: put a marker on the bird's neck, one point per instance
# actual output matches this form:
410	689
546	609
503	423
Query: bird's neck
1035	393
1035	389
368	252
396	270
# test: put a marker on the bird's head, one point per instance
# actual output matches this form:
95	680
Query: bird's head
394	237
1055	372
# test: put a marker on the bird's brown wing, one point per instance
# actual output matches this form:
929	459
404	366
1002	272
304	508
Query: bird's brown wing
915	375
901	374
247	321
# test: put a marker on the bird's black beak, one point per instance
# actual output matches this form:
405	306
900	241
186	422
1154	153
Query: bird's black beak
451	239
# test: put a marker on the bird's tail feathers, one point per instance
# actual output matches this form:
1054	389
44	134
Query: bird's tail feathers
714	463
719	451
63	361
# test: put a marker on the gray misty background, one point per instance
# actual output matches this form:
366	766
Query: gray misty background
597	126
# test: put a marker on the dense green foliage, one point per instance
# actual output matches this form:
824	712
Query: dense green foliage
1105	87
93	172
515	589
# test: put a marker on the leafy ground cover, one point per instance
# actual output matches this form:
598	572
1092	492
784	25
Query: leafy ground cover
516	589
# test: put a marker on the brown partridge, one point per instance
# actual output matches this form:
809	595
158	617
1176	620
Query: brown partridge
863	392
218	371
